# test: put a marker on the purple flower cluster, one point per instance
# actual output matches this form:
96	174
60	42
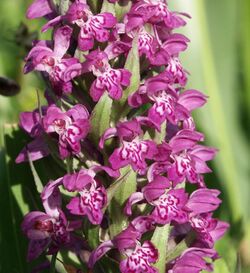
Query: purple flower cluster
157	139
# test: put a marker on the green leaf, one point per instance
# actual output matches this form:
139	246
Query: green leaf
112	189
63	6
160	240
133	65
118	220
179	248
100	117
108	7
95	5
16	200
160	136
91	233
121	9
220	266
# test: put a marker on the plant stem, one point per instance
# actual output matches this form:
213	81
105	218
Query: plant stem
53	264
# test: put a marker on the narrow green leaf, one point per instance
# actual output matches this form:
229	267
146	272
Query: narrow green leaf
160	240
38	182
118	220
133	65
100	117
112	189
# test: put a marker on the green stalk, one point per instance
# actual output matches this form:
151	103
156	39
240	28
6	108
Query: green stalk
53	264
227	162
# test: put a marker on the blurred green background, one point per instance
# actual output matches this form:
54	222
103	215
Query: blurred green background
218	60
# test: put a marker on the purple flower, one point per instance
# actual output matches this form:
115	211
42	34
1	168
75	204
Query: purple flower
154	12
208	229
169	207
167	103
123	43
50	229
71	127
107	78
169	203
194	260
133	151
91	26
189	159
93	196
53	62
139	257
31	122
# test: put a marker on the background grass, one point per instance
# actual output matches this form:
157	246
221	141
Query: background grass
218	60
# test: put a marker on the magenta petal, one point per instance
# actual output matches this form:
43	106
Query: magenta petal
203	152
36	149
100	251
116	160
157	114
77	181
28	120
193	260
36	247
125	77
38	8
128	130
85	40
96	92
156	188
72	71
109	19
115	92
102	35
143	224
185	139
200	165
109	133
51	198
192	99
52	23
109	171
62	40
78	111
219	230
133	199
74	206
203	201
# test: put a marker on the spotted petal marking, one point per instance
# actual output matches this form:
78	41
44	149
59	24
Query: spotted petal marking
140	259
